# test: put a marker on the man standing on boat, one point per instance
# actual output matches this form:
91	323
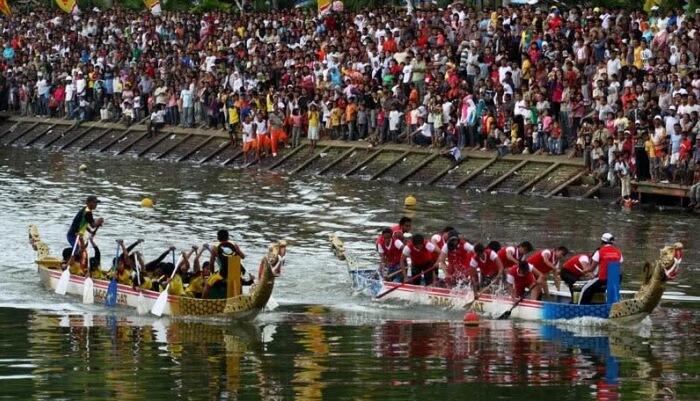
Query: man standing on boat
84	221
606	254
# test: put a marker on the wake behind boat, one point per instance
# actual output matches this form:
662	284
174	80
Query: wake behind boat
495	303
239	306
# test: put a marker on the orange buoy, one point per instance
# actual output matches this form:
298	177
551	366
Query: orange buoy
471	318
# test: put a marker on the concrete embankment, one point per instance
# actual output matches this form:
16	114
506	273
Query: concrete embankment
401	164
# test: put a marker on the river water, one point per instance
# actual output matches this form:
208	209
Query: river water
323	341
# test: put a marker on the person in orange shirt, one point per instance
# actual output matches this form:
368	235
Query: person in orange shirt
351	119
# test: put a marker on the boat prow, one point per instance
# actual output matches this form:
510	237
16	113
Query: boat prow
241	307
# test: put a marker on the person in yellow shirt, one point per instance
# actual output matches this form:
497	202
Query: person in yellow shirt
95	263
314	120
182	276
233	117
638	49
72	264
336	116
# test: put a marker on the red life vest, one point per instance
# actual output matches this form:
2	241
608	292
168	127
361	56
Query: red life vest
521	283
487	266
502	254
458	259
573	265
537	260
607	253
391	252
422	257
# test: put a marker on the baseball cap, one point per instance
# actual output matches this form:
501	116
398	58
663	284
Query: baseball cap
92	198
607	238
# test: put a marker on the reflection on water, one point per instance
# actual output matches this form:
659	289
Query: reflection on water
313	354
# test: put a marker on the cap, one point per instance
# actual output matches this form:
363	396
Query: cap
92	198
607	238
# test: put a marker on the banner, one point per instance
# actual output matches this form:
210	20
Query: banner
324	6
69	6
153	5
5	8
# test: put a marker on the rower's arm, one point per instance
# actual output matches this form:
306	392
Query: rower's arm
512	258
402	266
197	255
212	258
152	264
499	264
239	251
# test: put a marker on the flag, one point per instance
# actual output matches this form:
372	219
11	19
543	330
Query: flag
5	8
324	6
153	5
69	6
303	3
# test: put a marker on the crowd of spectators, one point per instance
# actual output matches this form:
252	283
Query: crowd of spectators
618	88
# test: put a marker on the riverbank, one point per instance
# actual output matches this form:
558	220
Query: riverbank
536	175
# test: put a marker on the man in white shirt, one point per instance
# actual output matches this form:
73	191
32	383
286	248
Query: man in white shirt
156	121
187	105
394	124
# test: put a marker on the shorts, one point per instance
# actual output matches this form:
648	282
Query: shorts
250	146
313	134
263	142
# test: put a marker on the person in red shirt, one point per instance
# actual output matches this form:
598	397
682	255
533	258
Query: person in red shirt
389	246
511	255
454	260
606	254
404	225
683	154
523	278
423	256
574	269
545	261
488	263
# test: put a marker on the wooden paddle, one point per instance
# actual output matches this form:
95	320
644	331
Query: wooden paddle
162	301
62	285
141	307
404	283
111	298
507	313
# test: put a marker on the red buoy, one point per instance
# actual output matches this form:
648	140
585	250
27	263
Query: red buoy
471	318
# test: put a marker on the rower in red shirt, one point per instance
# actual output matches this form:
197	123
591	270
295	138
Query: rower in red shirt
523	277
574	269
511	255
440	239
488	263
545	261
389	246
454	259
606	254
404	225
423	256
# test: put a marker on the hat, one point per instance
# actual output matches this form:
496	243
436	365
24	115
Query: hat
92	198
607	238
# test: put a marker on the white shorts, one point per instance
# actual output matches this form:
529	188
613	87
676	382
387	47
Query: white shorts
675	157
313	133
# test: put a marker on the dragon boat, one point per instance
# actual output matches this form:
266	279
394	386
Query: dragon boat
238	307
553	307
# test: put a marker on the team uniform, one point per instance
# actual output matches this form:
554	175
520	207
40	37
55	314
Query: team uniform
249	141
391	253
519	282
486	263
573	268
537	260
605	255
421	260
459	264
506	251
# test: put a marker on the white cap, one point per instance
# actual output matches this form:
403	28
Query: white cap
607	238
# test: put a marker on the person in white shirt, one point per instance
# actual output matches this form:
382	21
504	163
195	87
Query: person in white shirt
187	105
394	124
156	121
423	136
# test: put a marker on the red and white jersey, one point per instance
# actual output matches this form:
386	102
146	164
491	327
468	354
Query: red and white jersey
486	263
438	240
462	243
538	258
390	251
576	264
422	257
604	255
520	282
459	258
507	251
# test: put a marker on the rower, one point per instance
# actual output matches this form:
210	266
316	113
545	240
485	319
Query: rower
440	239
123	266
488	263
525	281
177	283
84	221
423	256
70	262
510	255
574	269
603	256
404	226
454	260
389	246
95	262
545	261
198	278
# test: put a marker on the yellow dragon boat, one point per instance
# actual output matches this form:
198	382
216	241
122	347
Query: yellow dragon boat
238	307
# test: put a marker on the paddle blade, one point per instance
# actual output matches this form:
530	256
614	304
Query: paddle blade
159	305
88	295
62	285
111	298
141	306
272	304
505	315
